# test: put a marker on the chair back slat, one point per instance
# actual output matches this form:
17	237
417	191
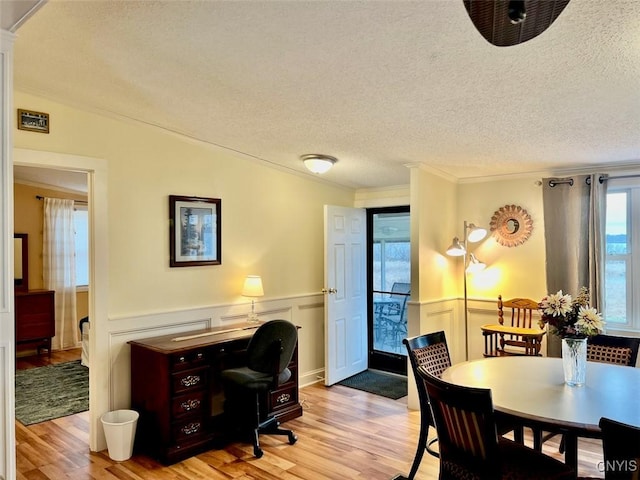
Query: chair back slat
464	431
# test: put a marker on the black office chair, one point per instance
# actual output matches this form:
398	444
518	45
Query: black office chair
269	352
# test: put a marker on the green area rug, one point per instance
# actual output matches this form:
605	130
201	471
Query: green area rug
54	391
379	383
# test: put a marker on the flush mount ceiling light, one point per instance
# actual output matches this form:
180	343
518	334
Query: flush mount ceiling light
318	163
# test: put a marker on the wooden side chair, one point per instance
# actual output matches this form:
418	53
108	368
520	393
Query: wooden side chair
519	336
469	445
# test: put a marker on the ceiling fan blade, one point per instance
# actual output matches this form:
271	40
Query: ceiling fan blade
509	22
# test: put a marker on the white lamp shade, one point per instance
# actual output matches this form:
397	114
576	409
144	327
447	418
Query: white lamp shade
456	249
476	233
475	265
252	286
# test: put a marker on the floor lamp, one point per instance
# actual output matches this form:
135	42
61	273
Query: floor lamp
471	234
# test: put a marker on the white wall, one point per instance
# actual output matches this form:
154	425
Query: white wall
518	271
272	225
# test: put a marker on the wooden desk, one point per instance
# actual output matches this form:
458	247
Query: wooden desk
494	334
176	388
532	390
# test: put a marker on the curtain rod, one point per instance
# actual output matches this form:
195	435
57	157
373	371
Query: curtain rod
601	179
80	202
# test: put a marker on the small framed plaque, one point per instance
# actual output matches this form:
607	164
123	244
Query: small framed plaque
33	121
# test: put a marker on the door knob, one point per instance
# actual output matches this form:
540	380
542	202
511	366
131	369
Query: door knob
329	291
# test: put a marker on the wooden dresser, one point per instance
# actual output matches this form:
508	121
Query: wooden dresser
176	388
35	318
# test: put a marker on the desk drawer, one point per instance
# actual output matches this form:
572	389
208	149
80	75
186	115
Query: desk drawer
187	360
189	380
188	430
283	397
191	403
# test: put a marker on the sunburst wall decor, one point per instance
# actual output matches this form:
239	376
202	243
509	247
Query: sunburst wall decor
511	225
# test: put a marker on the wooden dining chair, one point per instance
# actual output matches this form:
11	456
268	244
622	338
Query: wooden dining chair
431	352
612	349
519	335
469	445
621	449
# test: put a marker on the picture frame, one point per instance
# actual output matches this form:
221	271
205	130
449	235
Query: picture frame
33	121
194	231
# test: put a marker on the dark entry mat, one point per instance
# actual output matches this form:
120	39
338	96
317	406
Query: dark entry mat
378	383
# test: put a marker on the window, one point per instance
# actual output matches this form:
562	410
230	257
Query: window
622	263
81	224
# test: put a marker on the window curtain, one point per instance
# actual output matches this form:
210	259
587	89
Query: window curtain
59	269
574	223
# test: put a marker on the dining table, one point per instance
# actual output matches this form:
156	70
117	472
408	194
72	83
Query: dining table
531	390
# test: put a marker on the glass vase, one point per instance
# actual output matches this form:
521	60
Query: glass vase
574	361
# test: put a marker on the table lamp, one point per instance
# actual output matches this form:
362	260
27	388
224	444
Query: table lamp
252	288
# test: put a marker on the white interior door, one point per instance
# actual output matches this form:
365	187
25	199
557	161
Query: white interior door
345	300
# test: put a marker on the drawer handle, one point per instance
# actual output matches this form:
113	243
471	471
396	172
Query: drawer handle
199	356
190	380
283	398
190	404
190	428
182	359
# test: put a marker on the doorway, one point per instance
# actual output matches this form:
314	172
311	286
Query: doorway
389	286
66	365
96	170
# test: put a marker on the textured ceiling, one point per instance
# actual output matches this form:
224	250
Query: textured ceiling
378	84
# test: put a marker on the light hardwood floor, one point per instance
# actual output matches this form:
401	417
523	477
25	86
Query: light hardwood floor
343	434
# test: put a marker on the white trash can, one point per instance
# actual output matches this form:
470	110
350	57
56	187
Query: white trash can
120	431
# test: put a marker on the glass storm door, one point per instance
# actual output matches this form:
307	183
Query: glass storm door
389	262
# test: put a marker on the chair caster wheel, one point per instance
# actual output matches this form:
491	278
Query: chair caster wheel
292	439
257	452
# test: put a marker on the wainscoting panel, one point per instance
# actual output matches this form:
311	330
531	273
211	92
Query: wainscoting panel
305	311
120	356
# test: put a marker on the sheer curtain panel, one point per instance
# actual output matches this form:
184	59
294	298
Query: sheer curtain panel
59	265
574	222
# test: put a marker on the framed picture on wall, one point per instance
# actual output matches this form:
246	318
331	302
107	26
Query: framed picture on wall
33	121
194	231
